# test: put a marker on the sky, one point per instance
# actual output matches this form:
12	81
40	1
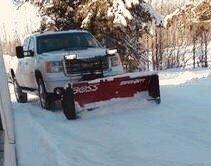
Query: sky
15	22
6	16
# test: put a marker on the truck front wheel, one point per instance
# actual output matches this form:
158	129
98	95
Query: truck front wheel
68	104
45	101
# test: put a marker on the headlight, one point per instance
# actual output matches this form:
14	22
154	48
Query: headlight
111	52
114	57
54	67
70	56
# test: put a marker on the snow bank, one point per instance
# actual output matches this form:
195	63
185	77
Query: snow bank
181	77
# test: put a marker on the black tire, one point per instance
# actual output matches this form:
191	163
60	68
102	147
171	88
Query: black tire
45	99
68	104
21	97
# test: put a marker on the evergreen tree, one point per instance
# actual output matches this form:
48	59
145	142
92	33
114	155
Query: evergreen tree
121	25
58	14
195	16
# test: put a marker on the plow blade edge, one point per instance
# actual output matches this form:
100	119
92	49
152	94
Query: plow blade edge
109	88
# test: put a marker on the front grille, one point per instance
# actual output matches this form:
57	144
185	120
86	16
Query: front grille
89	68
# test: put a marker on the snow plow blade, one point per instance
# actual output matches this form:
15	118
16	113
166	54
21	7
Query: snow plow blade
105	89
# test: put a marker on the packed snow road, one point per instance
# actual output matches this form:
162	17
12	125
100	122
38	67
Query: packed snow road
131	132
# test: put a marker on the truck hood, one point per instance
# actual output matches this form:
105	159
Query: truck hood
81	54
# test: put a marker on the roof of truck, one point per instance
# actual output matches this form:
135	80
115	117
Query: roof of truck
58	32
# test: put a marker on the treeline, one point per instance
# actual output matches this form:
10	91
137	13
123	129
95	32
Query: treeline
184	37
144	38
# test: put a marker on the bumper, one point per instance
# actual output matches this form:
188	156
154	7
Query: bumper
52	85
53	81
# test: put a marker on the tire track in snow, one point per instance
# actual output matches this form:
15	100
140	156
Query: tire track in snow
48	144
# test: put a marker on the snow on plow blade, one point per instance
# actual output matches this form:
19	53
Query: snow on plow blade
104	89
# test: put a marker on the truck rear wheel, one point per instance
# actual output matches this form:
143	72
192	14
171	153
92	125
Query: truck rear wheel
45	101
21	97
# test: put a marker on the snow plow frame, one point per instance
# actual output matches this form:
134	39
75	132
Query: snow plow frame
105	89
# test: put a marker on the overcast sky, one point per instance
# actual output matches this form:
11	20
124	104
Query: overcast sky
15	21
6	16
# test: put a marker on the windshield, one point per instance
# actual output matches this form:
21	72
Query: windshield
68	41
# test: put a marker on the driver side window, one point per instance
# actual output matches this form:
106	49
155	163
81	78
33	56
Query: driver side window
28	47
25	44
31	45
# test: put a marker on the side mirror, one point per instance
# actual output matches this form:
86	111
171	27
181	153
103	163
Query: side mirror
30	53
19	52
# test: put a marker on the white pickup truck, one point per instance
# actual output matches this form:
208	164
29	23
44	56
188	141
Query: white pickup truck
43	67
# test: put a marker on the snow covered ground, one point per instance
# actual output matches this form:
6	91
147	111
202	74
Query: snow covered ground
132	132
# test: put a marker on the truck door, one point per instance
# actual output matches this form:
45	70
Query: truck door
19	69
29	66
